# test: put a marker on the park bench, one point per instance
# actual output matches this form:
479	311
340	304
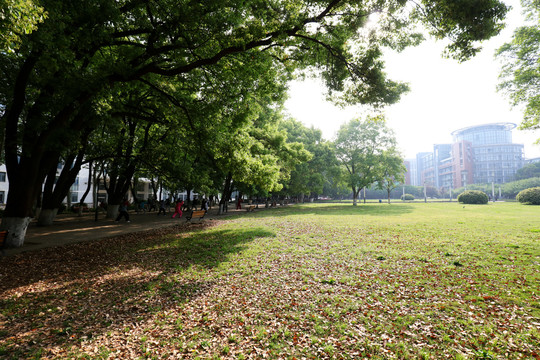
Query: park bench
251	208
196	214
3	241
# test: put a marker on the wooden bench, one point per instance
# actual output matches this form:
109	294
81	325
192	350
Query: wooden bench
251	208
3	241
196	214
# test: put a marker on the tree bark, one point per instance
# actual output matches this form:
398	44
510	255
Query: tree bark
227	190
112	211
56	190
25	182
355	195
17	230
47	216
121	171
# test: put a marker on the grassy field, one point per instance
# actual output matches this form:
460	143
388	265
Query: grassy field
379	281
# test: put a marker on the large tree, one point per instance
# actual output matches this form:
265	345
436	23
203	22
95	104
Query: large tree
361	147
520	75
86	47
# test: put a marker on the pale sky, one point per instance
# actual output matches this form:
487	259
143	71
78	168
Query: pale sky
445	96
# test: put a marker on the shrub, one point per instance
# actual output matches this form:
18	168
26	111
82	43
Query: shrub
529	196
407	197
473	197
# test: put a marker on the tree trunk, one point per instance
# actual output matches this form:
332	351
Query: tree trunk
188	200
25	182
227	190
364	194
47	216
112	211
53	196
121	170
154	188
17	230
355	196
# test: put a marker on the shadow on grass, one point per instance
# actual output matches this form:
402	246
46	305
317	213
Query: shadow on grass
53	298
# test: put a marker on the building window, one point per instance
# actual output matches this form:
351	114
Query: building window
74	198
2	176
2	196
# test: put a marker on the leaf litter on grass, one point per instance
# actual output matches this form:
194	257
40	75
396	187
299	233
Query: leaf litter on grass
273	287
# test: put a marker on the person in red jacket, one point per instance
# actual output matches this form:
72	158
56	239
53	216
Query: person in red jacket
178	208
239	203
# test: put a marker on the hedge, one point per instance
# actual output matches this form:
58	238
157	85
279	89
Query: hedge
529	196
473	197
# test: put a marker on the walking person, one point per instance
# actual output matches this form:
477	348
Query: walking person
204	204
151	204
178	208
123	211
142	206
239	203
162	207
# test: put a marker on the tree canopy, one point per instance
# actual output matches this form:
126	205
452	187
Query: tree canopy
520	74
528	171
366	149
18	18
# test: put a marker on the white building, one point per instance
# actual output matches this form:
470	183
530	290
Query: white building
3	185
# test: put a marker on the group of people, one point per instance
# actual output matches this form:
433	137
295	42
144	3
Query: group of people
151	205
179	207
163	206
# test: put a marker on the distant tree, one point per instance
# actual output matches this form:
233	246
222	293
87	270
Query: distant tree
360	148
391	171
309	177
528	171
510	190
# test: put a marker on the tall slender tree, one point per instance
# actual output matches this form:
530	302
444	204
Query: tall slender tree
391	171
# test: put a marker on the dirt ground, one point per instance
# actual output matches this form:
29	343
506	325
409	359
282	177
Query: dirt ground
69	228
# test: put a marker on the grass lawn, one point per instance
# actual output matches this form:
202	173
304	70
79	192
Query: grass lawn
379	281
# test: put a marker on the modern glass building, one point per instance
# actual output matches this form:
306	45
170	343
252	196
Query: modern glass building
496	159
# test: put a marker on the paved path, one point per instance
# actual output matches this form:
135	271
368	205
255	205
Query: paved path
68	229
